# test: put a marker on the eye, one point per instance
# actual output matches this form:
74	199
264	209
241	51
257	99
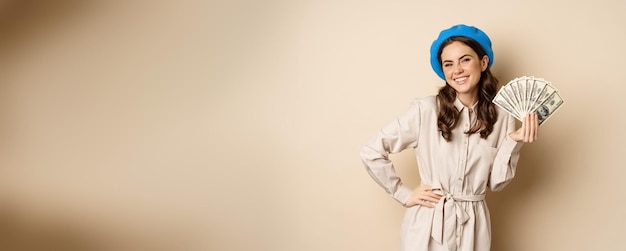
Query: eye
447	64
466	59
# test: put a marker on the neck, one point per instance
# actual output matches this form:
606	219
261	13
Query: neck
468	100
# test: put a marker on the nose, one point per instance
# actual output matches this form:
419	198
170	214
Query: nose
458	68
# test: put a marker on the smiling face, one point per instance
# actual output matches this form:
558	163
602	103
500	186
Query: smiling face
462	68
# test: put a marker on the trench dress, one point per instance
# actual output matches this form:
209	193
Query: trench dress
460	170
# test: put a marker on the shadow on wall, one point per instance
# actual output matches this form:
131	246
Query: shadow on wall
536	172
23	21
25	230
18	233
20	20
507	205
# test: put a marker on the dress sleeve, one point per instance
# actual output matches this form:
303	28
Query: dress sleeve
400	134
505	163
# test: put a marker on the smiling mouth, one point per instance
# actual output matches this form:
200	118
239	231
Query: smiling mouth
460	80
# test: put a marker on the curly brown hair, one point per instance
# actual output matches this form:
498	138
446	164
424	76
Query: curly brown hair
486	114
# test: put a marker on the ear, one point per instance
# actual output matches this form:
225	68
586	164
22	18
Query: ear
484	62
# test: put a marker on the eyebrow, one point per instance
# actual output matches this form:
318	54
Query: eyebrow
465	55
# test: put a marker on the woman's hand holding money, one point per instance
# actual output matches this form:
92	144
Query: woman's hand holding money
529	130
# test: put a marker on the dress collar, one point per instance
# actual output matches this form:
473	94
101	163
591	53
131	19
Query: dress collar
459	106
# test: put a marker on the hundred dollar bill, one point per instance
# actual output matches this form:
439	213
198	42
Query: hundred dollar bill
509	93
545	93
521	91
508	100
516	92
537	90
502	103
529	94
534	85
529	84
548	107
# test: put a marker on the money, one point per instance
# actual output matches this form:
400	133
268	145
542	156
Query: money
528	94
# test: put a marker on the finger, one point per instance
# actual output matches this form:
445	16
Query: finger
536	126
422	189
433	194
530	128
533	131
525	128
426	188
430	198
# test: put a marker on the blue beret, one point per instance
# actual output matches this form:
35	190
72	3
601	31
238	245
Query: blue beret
460	30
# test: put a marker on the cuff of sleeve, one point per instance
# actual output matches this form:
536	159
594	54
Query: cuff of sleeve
510	145
403	194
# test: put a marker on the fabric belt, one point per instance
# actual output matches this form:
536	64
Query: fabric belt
449	217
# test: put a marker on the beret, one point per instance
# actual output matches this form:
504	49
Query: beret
460	30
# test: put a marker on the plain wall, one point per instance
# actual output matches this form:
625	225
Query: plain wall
236	125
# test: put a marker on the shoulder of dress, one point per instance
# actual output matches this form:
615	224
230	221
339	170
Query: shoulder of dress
425	103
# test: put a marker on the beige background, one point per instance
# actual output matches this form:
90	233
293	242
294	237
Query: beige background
236	125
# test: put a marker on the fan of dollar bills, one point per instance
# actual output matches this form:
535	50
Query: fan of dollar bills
526	95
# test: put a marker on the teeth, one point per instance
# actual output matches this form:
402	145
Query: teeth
460	79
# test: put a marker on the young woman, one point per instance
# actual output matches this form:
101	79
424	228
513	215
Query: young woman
464	145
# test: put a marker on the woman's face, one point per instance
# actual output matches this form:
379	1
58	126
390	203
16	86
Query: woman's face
462	68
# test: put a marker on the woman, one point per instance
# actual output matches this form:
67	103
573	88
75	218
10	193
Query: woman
464	144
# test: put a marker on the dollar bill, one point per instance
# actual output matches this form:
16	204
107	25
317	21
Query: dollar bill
502	103
505	98
529	94
547	108
511	93
545	93
529	84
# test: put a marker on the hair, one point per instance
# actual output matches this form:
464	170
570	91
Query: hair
486	114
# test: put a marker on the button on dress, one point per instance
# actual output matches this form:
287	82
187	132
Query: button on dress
460	170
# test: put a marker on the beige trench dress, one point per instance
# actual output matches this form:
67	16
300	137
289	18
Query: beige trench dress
461	170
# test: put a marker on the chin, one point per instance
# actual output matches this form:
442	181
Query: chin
460	89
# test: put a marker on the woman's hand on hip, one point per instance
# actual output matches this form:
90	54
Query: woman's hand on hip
423	196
